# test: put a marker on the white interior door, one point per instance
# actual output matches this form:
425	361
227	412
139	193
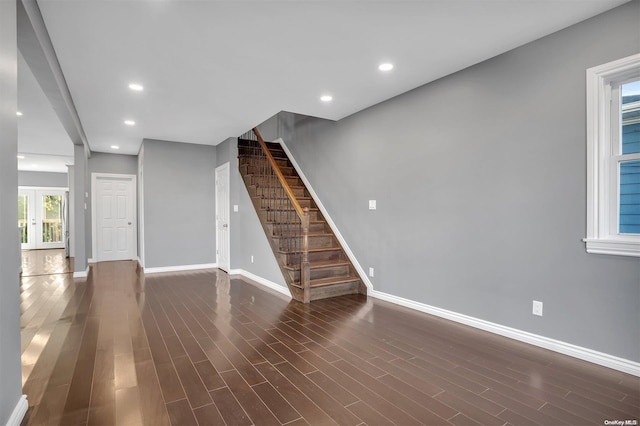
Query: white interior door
114	217
41	218
222	217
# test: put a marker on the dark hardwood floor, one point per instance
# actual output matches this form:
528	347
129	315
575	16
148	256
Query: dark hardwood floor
199	348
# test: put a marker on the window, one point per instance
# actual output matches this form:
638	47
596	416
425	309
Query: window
613	158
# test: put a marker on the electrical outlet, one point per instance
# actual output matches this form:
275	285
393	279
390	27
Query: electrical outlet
251	259
372	204
235	207
537	308
371	272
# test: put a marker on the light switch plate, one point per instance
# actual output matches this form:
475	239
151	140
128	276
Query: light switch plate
372	204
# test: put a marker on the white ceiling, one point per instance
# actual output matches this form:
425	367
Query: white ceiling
213	69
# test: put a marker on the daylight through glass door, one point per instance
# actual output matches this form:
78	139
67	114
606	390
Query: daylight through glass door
41	218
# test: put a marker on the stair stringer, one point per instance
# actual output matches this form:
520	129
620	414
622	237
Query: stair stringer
334	228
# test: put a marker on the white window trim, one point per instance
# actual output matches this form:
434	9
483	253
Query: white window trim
602	192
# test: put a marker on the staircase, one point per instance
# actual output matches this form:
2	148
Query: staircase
309	255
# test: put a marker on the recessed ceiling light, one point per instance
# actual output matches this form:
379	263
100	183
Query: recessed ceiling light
18	113
129	122
115	147
385	67
136	87
21	157
326	98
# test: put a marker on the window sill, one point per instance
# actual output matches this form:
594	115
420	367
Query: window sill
613	247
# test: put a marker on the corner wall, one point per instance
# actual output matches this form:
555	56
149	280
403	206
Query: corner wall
179	204
480	181
81	214
10	365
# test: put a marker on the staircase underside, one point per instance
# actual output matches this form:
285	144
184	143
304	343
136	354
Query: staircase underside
331	272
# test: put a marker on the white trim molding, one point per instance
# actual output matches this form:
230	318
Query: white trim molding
325	213
178	268
82	274
259	280
94	231
569	349
18	412
603	158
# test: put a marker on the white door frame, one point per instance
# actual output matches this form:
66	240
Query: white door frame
224	169
94	231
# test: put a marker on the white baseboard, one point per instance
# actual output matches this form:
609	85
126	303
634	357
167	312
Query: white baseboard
263	281
179	268
91	261
18	412
82	274
327	217
585	354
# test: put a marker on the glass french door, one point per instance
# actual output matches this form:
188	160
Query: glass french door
41	218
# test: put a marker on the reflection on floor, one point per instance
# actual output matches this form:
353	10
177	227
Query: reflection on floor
200	348
44	262
45	288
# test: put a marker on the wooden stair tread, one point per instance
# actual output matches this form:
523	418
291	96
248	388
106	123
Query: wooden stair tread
328	281
275	157
285	224
311	234
290	186
320	264
285	209
311	222
315	249
259	197
259	175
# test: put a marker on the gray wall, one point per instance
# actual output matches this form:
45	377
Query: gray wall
247	237
81	214
179	203
72	209
10	381
480	179
101	162
43	179
140	204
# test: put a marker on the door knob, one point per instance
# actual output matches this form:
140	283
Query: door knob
129	223
225	225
